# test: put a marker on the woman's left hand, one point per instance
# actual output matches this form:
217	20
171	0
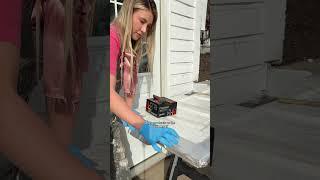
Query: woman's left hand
153	135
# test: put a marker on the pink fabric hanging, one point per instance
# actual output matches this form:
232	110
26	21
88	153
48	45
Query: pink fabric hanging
63	77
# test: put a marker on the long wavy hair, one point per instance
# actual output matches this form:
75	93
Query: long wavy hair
146	44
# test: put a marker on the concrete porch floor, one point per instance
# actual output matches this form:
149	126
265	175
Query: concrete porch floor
272	141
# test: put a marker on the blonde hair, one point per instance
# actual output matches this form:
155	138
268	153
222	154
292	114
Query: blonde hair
124	20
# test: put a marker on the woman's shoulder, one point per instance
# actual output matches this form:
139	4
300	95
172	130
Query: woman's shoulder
114	31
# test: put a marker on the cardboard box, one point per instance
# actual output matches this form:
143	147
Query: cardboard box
161	106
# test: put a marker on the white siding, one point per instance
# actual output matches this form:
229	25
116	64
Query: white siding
180	8
180	68
181	21
182	46
177	56
181	33
188	2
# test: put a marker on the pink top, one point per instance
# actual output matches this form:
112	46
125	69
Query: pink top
10	21
114	49
128	82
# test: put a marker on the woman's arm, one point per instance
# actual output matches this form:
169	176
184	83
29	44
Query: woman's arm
130	100
24	137
122	108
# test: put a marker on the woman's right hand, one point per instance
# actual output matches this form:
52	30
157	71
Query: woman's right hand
153	135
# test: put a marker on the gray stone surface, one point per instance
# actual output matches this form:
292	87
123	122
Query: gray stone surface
273	141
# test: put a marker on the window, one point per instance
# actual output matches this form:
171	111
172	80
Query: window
115	6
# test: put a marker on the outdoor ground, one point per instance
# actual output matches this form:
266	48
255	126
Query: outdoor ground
272	141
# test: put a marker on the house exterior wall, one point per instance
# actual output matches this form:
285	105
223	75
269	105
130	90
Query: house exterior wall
244	38
237	68
182	38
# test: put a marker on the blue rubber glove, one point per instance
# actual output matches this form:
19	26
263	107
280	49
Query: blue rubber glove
153	135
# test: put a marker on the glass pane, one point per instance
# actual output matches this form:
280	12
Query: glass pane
118	8
112	15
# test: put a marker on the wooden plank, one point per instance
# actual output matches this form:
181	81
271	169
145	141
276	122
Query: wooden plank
180	45
183	9
181	21
180	79
181	33
177	57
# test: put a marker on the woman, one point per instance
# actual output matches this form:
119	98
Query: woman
24	137
131	34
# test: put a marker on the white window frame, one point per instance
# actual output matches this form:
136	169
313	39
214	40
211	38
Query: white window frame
115	3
